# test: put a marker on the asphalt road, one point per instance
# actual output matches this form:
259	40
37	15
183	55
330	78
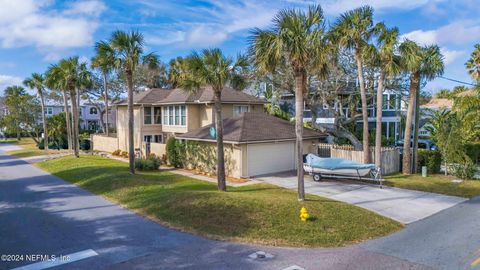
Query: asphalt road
43	215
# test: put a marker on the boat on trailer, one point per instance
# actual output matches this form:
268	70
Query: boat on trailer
340	168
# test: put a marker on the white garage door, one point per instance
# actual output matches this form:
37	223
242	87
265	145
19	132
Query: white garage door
267	158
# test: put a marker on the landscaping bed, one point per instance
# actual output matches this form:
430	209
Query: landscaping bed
258	213
435	183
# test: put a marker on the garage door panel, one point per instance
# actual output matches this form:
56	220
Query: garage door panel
270	158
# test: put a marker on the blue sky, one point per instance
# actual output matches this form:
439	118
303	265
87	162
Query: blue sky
36	33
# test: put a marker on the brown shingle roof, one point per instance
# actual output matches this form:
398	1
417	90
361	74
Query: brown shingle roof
251	127
148	97
205	94
438	103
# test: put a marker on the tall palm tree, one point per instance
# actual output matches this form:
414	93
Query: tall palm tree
423	63
389	66
73	76
353	30
296	40
128	51
55	81
104	61
211	68
37	82
473	64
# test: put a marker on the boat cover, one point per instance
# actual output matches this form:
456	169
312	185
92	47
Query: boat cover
335	163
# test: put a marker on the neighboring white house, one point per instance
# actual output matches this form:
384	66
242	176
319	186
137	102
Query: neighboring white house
89	115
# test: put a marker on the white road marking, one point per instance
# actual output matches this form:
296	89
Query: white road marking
294	267
59	261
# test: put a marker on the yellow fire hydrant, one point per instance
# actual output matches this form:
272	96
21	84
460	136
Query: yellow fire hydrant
304	214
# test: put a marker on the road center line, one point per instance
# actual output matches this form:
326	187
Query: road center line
59	261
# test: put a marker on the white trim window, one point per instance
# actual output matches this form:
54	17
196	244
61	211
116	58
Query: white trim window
152	115
49	111
239	109
175	115
93	110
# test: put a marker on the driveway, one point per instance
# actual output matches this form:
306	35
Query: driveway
405	206
41	214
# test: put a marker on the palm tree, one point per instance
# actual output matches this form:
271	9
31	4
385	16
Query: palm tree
211	68
104	61
128	51
176	71
473	64
55	82
353	31
423	63
37	81
296	41
73	76
389	66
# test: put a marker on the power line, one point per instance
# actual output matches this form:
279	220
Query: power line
457	81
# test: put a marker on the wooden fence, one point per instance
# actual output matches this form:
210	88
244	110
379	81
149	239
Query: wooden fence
390	155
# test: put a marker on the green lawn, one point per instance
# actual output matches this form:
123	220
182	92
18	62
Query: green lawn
435	183
259	213
30	148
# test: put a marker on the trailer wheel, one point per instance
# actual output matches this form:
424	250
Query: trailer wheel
317	177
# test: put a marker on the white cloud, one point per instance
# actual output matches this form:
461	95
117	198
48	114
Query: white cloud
339	6
451	55
458	33
204	27
7	80
36	23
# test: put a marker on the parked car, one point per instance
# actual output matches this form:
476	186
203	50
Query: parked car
422	144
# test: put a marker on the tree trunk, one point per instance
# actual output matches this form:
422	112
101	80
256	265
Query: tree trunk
67	120
414	80
75	125
105	127
363	96
44	119
131	146
378	131
299	91
415	133
219	133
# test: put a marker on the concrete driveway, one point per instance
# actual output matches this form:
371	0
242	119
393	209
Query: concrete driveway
405	206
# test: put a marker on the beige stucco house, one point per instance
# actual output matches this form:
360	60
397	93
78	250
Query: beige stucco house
255	143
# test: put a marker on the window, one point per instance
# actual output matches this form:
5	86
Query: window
153	138
49	111
385	102
93	110
392	102
175	115
147	115
239	109
157	115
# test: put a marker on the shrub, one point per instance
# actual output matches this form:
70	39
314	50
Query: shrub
124	154
431	159
117	152
465	170
85	144
473	151
174	152
149	164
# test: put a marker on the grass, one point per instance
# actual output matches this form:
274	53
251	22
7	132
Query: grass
30	148
260	213
435	183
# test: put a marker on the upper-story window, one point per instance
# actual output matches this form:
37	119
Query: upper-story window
93	110
49	111
175	115
391	102
239	109
152	115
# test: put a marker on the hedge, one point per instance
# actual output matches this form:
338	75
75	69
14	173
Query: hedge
431	159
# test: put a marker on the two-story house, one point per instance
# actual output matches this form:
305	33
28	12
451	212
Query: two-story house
89	115
256	143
